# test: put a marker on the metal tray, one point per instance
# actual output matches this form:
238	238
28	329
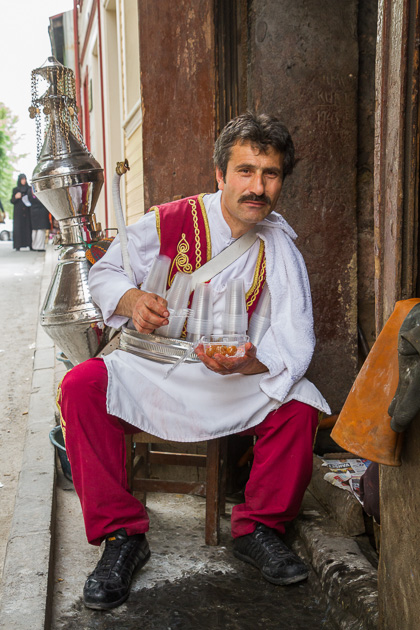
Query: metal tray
155	348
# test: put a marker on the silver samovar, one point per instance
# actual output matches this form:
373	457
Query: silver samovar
67	180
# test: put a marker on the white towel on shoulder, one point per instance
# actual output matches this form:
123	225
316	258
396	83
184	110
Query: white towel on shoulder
287	347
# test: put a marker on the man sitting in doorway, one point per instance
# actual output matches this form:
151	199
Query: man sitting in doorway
263	393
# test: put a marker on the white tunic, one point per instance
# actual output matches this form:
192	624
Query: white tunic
194	403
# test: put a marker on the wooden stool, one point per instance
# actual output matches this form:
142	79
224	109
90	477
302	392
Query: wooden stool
140	456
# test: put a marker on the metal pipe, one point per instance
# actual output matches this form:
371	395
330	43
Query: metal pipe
77	60
101	76
122	167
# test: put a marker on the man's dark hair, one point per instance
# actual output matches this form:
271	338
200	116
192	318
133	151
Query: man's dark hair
261	131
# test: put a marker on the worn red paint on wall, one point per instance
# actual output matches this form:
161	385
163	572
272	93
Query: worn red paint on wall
177	60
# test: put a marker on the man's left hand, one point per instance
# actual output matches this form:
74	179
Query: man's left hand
221	364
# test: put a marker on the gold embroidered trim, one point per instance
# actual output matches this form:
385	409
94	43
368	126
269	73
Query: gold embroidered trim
62	421
253	292
181	261
157	215
206	223
260	281
193	205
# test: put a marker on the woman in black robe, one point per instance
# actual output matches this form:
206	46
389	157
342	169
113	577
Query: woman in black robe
22	230
40	220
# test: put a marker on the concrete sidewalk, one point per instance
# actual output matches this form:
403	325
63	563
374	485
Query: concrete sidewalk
26	588
347	579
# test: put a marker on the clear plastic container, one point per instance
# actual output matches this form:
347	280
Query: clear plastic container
235	317
263	308
227	345
176	324
234	324
235	297
261	318
179	292
258	326
200	322
158	276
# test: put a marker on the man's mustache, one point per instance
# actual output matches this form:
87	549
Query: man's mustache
261	198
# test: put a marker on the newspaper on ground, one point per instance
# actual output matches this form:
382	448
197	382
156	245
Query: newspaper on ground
346	473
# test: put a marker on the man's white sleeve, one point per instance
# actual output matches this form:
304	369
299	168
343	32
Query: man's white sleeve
107	279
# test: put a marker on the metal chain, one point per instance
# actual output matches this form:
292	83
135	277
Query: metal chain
61	111
34	111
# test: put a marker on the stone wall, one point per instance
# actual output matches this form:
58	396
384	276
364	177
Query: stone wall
399	568
303	66
367	19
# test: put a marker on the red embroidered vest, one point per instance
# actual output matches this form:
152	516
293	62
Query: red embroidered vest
184	236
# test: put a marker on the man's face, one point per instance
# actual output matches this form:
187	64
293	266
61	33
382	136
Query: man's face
23	181
251	187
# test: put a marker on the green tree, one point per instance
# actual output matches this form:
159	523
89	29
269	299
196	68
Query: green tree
8	158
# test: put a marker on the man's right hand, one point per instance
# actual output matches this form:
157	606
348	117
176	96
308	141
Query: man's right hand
18	195
147	310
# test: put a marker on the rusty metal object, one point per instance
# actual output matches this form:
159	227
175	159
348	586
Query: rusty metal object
363	426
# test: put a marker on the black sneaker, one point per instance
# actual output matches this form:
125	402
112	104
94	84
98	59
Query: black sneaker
266	551
109	585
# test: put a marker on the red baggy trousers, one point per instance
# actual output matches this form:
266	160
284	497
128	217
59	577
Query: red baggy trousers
95	445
